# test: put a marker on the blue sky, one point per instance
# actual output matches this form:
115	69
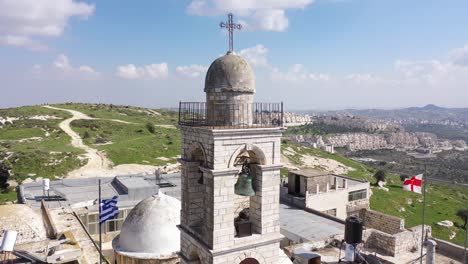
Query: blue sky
323	54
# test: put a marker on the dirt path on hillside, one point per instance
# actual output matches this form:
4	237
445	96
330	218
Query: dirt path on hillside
98	164
96	159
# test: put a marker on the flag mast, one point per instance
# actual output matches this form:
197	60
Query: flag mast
100	233
423	212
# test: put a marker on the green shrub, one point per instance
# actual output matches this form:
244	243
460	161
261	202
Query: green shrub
150	127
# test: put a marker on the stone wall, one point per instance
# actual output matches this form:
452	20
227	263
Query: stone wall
220	203
379	240
382	222
291	199
322	181
450	250
394	245
409	239
356	206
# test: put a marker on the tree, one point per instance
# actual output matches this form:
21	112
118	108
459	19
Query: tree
463	214
4	174
379	176
150	127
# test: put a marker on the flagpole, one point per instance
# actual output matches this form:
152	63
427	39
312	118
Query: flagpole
423	212
100	233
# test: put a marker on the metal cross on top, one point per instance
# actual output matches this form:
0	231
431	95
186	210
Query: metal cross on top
230	25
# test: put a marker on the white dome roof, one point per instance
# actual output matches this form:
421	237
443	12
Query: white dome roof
151	229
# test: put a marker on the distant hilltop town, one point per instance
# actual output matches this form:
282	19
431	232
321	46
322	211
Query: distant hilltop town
355	133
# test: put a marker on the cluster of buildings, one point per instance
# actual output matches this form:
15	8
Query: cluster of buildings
227	204
404	141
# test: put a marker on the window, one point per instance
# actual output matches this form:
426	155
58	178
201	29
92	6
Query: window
92	222
357	195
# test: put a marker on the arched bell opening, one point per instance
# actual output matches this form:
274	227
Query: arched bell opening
196	153
196	157
249	261
247	162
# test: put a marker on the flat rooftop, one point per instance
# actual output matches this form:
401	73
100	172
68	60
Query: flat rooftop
310	173
296	224
299	225
131	189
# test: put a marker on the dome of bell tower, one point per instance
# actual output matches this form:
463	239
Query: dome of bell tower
230	73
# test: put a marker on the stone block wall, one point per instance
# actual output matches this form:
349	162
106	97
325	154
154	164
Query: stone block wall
217	237
320	180
382	222
354	207
450	250
395	244
229	108
409	239
379	240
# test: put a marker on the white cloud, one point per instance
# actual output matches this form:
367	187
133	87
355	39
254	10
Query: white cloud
21	21
298	73
62	63
266	15
460	56
61	67
192	71
256	56
151	71
362	78
270	20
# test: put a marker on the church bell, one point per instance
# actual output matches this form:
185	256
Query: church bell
244	184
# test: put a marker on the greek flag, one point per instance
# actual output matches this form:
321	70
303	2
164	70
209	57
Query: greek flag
109	209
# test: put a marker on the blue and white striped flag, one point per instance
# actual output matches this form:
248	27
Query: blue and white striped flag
109	209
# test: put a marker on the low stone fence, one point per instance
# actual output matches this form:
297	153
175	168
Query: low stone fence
450	250
382	222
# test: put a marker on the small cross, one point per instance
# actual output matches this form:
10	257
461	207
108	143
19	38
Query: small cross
230	25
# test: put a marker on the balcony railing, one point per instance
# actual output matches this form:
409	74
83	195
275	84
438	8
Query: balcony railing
237	115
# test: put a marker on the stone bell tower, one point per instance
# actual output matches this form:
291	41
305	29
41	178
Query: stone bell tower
230	170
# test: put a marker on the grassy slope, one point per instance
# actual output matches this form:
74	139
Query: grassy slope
35	157
442	201
131	143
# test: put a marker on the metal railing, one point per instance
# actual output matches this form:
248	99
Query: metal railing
234	115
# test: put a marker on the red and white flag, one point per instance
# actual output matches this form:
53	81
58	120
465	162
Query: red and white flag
414	184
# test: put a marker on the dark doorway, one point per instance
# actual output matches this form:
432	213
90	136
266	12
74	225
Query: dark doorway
249	261
297	184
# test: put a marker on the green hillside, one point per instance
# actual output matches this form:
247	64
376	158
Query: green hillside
34	148
442	201
145	136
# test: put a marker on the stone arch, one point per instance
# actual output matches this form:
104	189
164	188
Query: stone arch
196	152
251	149
250	258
